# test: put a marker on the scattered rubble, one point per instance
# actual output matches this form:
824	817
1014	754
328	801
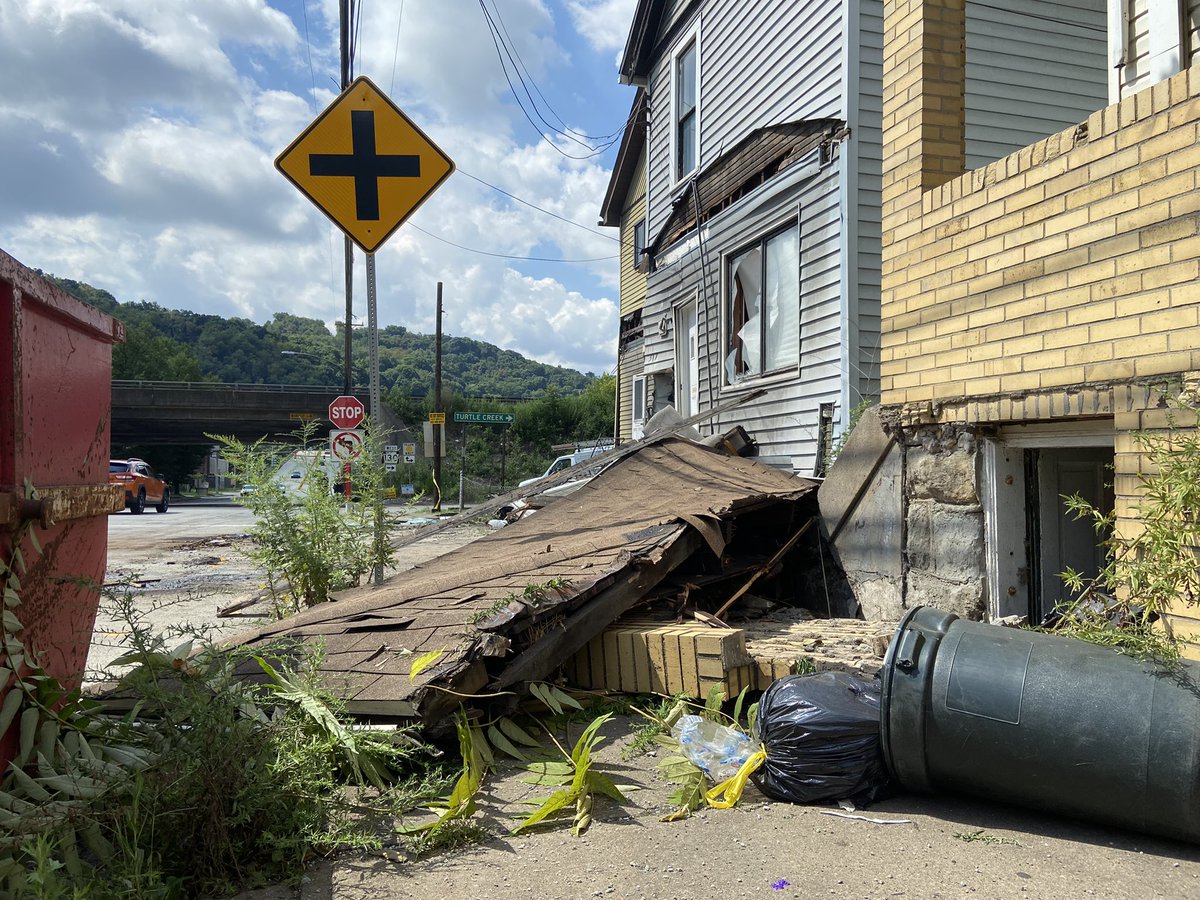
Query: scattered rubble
671	526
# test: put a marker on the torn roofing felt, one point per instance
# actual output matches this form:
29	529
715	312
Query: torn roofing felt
513	605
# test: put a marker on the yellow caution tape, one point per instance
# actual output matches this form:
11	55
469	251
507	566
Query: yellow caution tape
731	788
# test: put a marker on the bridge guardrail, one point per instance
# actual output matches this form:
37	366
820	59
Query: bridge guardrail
226	386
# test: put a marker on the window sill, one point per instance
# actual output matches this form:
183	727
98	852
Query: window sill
771	379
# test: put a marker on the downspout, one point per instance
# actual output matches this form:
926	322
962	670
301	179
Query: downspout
850	391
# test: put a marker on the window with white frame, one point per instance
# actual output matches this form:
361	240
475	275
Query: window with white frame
762	317
638	411
686	111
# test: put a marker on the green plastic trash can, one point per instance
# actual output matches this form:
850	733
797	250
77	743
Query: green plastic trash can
1051	723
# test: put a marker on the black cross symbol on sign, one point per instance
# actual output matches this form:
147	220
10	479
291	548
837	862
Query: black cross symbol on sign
365	165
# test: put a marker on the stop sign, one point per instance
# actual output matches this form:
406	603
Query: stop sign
346	412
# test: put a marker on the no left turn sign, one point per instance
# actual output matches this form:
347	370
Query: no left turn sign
346	444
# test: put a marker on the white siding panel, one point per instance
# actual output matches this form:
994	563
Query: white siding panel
761	64
1034	67
869	144
784	423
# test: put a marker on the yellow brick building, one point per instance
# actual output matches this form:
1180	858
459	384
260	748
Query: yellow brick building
1040	306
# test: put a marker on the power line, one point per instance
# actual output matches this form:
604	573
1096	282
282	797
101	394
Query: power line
497	42
538	208
549	259
396	52
513	52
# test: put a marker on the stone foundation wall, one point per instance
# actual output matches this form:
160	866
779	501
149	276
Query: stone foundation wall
943	556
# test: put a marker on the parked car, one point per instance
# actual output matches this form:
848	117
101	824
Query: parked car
141	484
567	460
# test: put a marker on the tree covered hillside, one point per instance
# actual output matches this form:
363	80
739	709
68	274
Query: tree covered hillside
551	404
179	345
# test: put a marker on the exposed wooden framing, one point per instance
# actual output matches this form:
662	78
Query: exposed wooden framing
543	657
767	567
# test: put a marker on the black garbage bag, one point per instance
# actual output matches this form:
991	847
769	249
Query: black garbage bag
821	734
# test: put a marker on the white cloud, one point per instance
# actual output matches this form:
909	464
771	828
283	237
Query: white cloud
144	135
604	23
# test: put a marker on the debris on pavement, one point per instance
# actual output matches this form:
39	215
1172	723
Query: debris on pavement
843	815
518	603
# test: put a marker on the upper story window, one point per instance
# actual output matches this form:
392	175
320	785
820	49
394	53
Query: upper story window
686	111
762	325
639	243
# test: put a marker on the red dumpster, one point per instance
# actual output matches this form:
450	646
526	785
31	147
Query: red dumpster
55	402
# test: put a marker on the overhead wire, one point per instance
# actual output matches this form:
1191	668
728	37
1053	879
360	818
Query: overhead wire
548	259
523	73
497	42
540	209
396	51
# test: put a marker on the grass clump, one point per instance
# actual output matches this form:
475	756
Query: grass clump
309	542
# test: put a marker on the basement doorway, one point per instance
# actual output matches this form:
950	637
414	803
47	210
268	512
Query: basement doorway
1030	536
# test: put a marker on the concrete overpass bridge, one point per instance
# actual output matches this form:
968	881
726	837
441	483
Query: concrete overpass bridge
170	412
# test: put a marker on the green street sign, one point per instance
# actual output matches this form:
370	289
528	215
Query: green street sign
477	418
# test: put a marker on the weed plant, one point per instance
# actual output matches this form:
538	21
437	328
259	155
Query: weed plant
309	541
213	782
1150	568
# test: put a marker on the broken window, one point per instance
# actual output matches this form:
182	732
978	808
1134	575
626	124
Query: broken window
639	398
763	318
686	131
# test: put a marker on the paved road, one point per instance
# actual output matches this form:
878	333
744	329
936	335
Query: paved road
184	521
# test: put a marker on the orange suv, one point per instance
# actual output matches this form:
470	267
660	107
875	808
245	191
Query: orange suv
141	485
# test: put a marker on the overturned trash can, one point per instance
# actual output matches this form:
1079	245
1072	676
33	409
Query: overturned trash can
1050	723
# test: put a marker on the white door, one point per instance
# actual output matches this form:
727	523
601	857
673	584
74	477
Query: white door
687	360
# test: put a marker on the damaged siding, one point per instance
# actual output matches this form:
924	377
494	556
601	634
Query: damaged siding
759	64
784	423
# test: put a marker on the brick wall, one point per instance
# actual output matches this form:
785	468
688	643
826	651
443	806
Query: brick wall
1057	282
1071	262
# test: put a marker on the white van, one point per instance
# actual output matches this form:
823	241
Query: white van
567	460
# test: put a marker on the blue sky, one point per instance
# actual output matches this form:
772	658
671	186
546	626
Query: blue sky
137	143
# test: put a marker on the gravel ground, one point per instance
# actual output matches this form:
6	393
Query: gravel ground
191	563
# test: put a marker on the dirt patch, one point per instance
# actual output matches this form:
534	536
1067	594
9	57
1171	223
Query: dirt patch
948	847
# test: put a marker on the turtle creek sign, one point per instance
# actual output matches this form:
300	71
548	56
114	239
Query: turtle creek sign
482	418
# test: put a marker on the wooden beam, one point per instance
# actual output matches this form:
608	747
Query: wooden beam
767	567
543	657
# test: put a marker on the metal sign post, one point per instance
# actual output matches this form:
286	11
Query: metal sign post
376	408
368	167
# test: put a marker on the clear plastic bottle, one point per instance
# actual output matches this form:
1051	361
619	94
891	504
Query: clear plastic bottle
717	749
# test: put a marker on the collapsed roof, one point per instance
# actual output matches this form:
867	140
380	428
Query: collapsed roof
516	604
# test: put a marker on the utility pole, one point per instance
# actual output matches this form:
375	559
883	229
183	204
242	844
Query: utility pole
437	400
344	21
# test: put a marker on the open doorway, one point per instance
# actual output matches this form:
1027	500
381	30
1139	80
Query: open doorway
1031	537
